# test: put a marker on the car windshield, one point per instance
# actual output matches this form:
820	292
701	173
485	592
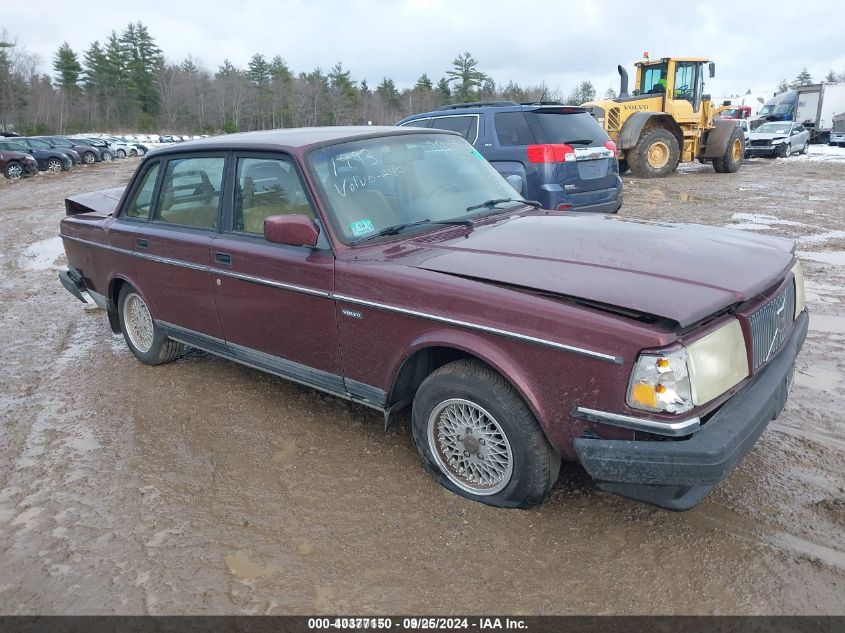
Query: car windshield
774	128
373	184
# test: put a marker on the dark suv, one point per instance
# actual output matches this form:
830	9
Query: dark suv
562	156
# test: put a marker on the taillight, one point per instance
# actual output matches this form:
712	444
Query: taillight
550	153
612	147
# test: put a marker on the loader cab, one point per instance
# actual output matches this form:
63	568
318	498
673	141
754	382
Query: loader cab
679	80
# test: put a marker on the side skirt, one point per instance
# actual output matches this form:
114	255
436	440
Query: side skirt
332	384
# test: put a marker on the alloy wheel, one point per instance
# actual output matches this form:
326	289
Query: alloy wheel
54	165
139	322
470	447
14	172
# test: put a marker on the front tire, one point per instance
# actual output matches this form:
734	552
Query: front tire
88	158
121	153
731	161
478	438
785	150
145	339
107	156
655	155
14	171
804	149
54	165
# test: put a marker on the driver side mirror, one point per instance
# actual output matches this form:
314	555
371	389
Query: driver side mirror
293	230
712	67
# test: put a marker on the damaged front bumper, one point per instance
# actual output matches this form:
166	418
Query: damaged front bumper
676	475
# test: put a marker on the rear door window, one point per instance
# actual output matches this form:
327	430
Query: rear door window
577	128
139	207
417	123
512	129
190	192
466	126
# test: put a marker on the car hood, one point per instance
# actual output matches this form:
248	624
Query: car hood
682	272
765	136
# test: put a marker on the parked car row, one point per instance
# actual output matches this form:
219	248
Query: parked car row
22	156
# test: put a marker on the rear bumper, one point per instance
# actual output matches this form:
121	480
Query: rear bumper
604	207
677	474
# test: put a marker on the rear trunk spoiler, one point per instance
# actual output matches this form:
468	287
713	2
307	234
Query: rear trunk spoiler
103	202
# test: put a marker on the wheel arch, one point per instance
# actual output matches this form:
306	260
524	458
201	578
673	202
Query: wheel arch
116	284
433	352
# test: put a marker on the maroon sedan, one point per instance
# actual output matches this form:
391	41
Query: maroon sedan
396	268
15	165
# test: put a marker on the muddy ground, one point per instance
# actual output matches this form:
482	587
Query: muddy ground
207	487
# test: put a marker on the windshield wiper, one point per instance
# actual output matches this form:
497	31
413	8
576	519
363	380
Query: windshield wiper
489	204
398	228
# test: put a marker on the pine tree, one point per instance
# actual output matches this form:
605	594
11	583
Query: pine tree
803	79
610	93
259	70
466	77
783	86
142	58
444	89
343	94
67	67
423	83
830	77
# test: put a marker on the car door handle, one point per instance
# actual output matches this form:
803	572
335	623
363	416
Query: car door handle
223	258
141	242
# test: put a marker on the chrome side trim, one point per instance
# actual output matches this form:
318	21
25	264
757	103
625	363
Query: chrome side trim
271	282
363	302
659	427
482	328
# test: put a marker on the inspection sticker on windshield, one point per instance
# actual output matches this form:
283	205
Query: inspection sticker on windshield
476	153
361	227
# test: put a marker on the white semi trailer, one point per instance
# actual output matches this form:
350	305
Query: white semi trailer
817	104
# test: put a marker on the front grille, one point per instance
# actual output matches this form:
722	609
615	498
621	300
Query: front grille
771	324
613	120
763	143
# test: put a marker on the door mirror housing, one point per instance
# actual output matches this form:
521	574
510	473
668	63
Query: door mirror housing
712	67
515	181
293	230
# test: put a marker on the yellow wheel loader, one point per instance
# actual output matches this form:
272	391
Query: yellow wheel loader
668	118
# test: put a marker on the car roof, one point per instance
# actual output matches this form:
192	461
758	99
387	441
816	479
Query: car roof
494	106
292	138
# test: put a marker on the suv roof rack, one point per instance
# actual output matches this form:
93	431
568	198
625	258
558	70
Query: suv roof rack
542	103
478	104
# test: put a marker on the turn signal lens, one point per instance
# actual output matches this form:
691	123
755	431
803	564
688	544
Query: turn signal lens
661	383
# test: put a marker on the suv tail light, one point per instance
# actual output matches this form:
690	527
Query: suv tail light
550	153
612	147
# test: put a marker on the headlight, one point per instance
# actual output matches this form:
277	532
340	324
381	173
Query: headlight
661	382
677	381
800	298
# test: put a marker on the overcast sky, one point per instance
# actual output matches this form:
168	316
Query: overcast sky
754	44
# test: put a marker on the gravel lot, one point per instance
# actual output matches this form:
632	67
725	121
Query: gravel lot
206	487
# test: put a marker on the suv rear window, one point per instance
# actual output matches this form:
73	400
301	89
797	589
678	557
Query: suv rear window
578	128
467	126
512	129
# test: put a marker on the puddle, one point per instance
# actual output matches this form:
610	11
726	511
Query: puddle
42	255
827	323
836	258
241	565
749	226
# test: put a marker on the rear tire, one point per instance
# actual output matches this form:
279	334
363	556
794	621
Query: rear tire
88	158
146	340
121	153
804	149
478	438
107	156
731	161
54	165
655	155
